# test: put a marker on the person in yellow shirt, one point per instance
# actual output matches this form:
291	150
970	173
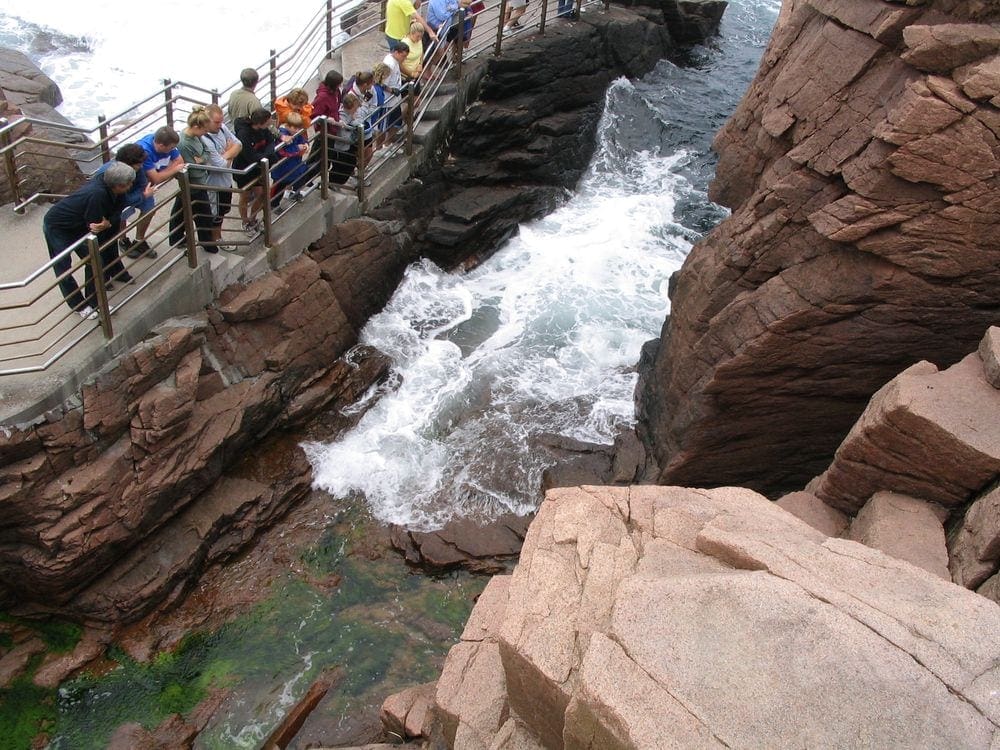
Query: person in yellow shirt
398	16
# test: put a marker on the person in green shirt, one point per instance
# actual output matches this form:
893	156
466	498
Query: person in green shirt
194	151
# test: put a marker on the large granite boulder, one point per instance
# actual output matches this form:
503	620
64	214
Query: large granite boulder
931	434
652	617
862	172
25	92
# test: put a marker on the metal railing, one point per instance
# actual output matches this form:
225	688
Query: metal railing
37	325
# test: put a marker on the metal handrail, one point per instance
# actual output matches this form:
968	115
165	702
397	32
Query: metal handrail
281	70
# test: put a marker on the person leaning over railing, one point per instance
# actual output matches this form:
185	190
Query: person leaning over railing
95	207
162	162
362	85
442	17
326	113
258	142
413	65
194	152
221	147
291	171
138	196
344	156
393	85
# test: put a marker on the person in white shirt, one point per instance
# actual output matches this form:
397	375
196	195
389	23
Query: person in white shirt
394	89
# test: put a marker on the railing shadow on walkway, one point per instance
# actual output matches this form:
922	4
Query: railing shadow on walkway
39	329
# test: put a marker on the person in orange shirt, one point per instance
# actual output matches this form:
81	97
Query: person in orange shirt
297	100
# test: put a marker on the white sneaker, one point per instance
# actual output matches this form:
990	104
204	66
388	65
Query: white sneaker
87	313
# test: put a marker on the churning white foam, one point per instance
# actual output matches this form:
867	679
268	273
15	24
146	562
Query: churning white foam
541	338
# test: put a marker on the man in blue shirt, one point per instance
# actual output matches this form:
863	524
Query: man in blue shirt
441	12
162	161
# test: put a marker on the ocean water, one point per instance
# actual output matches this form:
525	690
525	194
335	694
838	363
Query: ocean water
106	56
543	337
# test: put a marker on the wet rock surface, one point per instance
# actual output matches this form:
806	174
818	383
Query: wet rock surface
861	170
530	135
463	543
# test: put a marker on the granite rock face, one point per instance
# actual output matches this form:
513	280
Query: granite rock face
862	172
653	617
116	502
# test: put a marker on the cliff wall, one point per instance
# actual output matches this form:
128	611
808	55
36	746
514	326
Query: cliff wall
862	172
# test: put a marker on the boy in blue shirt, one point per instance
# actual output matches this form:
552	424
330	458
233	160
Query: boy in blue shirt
162	161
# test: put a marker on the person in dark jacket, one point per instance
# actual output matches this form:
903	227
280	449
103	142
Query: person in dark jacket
258	140
95	207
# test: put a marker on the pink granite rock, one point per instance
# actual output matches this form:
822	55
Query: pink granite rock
862	182
407	714
809	508
905	528
653	617
929	434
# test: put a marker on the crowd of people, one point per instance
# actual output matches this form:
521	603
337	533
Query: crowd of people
369	106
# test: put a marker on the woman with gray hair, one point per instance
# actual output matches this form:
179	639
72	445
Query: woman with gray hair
93	208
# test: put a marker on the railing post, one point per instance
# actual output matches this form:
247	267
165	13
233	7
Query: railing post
361	164
541	21
215	96
607	5
265	181
274	77
188	215
459	43
329	28
97	271
169	94
10	162
576	12
382	6
503	15
102	126
324	158
411	103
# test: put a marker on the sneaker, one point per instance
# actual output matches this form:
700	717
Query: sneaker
139	249
87	313
251	228
211	249
109	287
295	196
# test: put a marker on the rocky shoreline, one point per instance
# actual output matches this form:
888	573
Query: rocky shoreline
832	344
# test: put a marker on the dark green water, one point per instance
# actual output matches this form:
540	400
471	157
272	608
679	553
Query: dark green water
384	626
